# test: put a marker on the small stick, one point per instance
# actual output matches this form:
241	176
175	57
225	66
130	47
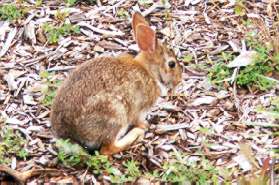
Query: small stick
160	129
114	6
151	9
35	59
101	31
22	177
60	68
261	124
8	42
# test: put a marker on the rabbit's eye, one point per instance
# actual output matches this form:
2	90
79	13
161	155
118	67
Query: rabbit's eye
171	64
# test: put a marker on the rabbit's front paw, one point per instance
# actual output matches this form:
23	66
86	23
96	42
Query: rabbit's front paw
140	132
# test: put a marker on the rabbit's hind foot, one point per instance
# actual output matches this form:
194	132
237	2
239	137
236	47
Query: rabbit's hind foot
136	134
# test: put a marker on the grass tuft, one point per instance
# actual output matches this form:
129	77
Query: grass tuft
10	12
49	88
53	33
255	75
12	144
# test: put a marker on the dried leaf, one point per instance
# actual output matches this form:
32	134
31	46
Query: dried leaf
8	42
205	100
29	31
245	58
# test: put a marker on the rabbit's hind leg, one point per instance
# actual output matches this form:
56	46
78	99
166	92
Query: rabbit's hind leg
120	144
141	124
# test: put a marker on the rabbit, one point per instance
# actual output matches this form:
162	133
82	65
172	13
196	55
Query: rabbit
103	102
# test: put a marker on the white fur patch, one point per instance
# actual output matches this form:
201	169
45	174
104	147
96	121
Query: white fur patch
122	132
143	115
163	88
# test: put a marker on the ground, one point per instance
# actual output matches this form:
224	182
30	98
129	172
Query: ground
216	133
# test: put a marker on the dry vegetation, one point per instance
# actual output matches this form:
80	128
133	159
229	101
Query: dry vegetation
221	127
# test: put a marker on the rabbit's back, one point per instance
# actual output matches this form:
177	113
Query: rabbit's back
97	90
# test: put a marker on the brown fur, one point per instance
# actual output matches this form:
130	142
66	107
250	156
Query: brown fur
103	96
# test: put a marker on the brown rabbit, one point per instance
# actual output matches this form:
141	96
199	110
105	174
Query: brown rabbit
104	101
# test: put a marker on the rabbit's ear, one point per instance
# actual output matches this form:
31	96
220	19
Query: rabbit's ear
146	38
136	20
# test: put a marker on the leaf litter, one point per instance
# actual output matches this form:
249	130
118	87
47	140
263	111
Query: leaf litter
201	121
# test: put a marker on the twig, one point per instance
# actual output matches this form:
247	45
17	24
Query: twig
101	31
194	54
152	160
8	42
206	18
114	6
22	82
261	124
23	131
235	94
151	9
60	68
165	128
83	176
156	5
22	177
36	59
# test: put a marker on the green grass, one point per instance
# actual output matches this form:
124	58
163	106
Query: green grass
61	15
253	75
122	13
258	75
275	104
272	110
132	171
49	89
72	155
176	170
11	145
53	33
219	73
38	3
187	58
10	12
179	170
70	2
239	8
145	2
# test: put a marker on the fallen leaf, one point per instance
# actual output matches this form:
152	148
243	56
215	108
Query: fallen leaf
14	121
244	59
27	99
10	79
243	162
29	31
205	100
